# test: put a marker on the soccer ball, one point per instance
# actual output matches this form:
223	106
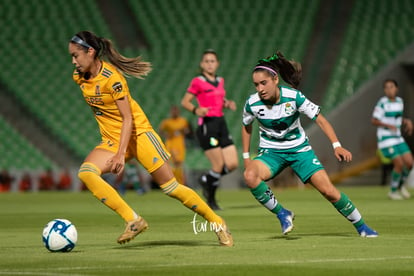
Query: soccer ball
60	235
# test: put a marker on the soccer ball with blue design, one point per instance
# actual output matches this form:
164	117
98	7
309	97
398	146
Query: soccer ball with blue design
60	235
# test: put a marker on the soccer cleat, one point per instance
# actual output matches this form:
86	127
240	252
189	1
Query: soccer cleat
132	229
286	218
224	236
366	232
404	192
211	200
395	195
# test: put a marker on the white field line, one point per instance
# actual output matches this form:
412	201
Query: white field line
66	270
307	261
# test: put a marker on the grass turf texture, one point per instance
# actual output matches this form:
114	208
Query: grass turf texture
322	243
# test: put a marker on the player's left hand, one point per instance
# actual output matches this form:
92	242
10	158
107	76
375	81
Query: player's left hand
408	126
116	163
230	105
342	154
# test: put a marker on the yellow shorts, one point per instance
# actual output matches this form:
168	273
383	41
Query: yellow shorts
177	149
146	147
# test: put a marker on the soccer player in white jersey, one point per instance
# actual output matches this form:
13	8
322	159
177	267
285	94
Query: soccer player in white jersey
388	117
283	142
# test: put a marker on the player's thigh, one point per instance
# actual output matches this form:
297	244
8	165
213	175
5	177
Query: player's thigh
404	151
98	157
230	157
215	156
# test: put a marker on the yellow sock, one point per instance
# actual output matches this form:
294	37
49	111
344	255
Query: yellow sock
91	176
190	199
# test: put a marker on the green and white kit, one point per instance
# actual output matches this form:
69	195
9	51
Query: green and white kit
283	141
390	142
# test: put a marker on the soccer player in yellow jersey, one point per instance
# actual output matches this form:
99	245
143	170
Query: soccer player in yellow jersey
126	133
174	130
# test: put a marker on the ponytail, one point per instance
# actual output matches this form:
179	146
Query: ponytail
289	70
104	49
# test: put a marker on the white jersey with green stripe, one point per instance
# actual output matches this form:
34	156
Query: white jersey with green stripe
279	123
389	112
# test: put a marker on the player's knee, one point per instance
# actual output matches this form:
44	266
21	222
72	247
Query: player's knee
331	193
409	165
87	171
232	165
250	177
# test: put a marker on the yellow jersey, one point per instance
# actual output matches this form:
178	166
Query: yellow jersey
101	93
174	130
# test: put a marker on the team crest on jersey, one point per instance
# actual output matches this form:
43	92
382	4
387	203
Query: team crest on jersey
117	87
213	142
97	90
289	110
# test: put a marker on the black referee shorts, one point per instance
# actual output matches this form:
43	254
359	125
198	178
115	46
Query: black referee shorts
213	133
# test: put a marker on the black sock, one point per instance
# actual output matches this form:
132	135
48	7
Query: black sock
212	178
224	171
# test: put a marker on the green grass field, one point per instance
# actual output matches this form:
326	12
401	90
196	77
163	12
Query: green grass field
322	243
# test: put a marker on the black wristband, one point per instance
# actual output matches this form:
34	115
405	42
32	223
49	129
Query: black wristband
194	109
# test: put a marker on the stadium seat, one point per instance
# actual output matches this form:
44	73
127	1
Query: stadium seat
226	26
17	152
377	32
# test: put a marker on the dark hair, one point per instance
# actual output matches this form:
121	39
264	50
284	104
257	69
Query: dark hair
289	70
209	51
392	81
104	48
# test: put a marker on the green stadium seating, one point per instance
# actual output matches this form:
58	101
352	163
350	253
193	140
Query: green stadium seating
377	32
40	67
39	72
19	153
240	31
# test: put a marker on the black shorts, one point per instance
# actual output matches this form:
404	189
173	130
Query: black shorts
213	133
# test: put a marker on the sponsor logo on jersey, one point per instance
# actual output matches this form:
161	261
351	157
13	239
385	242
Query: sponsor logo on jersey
117	87
94	100
108	142
97	111
279	126
315	161
97	90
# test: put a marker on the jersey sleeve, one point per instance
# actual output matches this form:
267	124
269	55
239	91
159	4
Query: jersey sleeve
118	86
248	116
193	88
378	111
307	107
